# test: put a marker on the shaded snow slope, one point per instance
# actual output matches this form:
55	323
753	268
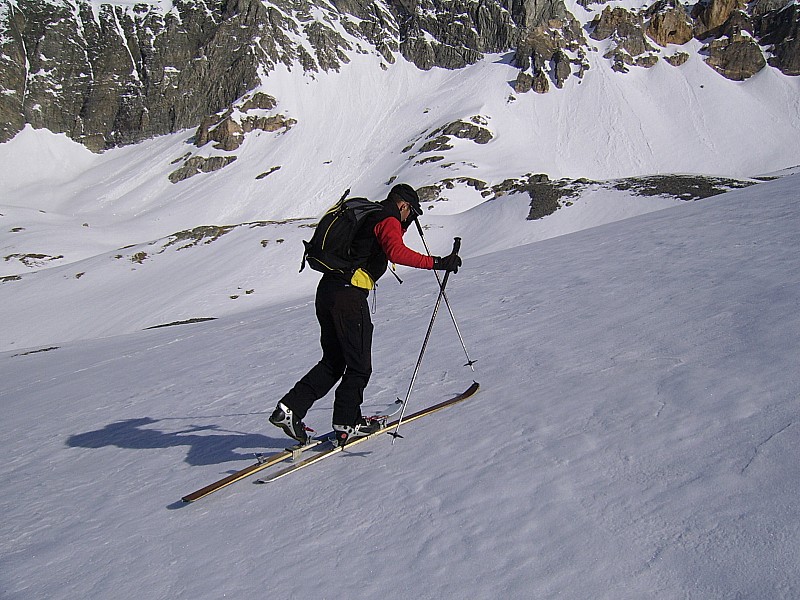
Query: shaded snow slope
218	271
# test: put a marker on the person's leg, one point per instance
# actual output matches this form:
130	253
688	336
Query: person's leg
323	376
354	328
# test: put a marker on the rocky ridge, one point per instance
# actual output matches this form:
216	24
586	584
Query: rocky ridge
115	74
547	195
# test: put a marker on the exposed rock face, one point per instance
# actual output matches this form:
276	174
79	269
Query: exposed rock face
626	30
547	30
126	75
733	47
228	130
780	28
710	15
735	54
452	34
13	74
737	57
114	74
669	23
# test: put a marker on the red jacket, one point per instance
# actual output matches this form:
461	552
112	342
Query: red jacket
390	236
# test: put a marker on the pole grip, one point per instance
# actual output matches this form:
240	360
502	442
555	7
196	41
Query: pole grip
456	248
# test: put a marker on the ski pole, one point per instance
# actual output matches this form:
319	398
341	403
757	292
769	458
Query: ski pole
394	434
470	362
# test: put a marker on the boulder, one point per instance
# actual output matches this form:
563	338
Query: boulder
737	57
669	23
523	83
198	164
541	83
677	59
562	67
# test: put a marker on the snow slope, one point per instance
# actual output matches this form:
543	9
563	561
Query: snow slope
93	234
636	435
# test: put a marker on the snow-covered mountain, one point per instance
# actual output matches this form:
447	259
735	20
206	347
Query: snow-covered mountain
116	72
636	431
80	228
277	108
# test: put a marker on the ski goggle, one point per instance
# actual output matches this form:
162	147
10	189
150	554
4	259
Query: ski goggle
415	209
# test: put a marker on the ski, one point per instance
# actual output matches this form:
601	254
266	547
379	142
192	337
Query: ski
268	460
331	449
262	462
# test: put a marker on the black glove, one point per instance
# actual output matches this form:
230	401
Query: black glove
451	262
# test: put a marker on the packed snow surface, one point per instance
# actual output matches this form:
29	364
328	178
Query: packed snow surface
636	434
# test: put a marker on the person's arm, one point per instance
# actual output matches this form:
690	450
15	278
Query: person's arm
389	232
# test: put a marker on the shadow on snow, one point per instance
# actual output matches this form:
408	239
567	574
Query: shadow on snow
208	444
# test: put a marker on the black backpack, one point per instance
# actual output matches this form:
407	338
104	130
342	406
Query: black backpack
329	250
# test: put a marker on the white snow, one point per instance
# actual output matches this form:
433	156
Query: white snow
636	433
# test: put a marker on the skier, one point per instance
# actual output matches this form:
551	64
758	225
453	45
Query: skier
345	325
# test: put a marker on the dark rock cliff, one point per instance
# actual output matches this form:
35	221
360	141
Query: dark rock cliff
127	73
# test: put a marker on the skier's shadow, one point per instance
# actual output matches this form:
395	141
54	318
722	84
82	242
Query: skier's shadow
207	444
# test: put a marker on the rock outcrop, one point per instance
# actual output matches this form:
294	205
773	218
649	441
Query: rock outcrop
198	164
229	129
627	32
669	23
737	57
118	73
779	29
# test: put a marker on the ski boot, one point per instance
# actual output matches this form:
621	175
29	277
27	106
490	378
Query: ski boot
284	418
347	433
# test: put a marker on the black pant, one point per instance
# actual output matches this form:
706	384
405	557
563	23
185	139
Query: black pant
346	340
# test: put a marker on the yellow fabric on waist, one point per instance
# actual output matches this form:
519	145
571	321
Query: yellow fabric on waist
362	280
